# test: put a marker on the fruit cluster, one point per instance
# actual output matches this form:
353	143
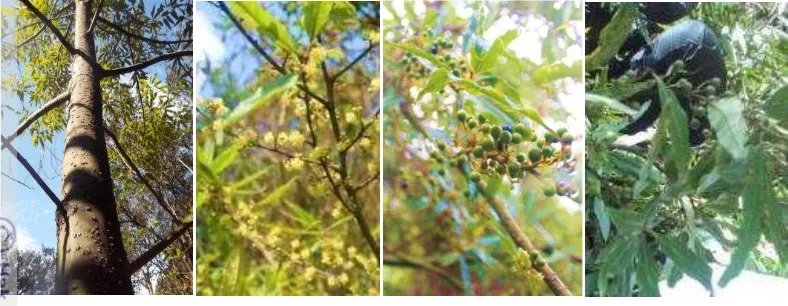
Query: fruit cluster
440	47
515	152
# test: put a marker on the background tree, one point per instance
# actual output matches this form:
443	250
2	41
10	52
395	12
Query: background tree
109	72
35	271
479	181
287	157
662	210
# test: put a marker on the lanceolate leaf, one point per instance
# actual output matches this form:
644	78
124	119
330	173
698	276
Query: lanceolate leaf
726	118
259	99
316	15
685	260
674	121
420	53
647	271
613	36
437	82
254	16
490	58
500	101
601	214
756	194
777	106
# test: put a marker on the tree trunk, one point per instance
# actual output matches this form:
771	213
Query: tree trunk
91	257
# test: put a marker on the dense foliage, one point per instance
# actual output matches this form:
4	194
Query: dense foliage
287	184
480	183
663	209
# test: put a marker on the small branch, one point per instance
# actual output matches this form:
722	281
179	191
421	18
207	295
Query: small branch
354	62
361	133
95	15
366	183
145	64
130	164
551	279
18	181
57	101
33	173
159	247
140	37
407	261
50	25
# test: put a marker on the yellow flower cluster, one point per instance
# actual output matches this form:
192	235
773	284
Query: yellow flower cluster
215	107
294	164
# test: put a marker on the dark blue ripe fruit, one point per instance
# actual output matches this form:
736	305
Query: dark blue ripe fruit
434	49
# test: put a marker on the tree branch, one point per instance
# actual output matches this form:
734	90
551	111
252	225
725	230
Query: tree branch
361	133
145	64
140	37
355	61
130	164
50	25
407	261
551	279
159	247
34	174
262	52
57	101
95	15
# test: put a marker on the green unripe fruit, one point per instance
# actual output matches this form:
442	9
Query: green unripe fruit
561	131
535	256
716	82
549	248
442	171
549	192
516	138
482	118
550	138
683	85
475	177
467	193
679	65
540	143
535	155
441	146
484	165
478	152
566	139
496	132
547	152
520	129
434	154
493	163
472	123
462	160
453	163
486	128
710	90
501	169
462	115
446	57
521	157
506	137
488	144
514	168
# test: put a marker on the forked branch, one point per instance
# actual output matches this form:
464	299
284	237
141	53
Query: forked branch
50	25
157	248
145	64
140	37
57	101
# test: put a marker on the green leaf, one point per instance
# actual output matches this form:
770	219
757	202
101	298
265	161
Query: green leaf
436	83
647	271
420	53
249	179
726	118
490	58
343	10
673	121
263	94
316	15
276	194
610	103
619	256
777	106
685	260
254	16
551	72
613	36
499	101
226	158
602	217
756	193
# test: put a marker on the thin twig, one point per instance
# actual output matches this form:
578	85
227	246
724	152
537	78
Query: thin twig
57	101
356	60
145	64
551	279
408	261
140	37
95	15
50	25
33	173
157	248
